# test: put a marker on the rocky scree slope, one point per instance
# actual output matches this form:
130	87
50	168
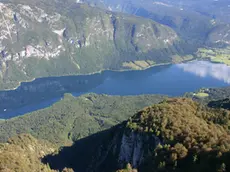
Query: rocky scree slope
39	40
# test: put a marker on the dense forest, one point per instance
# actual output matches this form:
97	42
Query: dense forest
73	118
193	137
177	134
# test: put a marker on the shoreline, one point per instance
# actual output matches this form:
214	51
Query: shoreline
98	72
80	74
50	98
19	84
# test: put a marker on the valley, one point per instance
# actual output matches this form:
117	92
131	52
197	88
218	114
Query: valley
114	86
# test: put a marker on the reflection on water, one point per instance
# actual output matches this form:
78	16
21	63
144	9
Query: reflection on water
173	80
205	68
43	92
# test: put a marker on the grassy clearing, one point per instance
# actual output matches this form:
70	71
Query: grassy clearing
218	55
138	64
201	95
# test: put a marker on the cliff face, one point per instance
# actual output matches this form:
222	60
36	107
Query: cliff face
104	151
136	147
132	149
125	146
56	39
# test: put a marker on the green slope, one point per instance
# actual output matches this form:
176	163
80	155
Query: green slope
74	118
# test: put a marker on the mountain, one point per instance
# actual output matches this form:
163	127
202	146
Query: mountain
188	23
219	35
40	39
177	134
215	9
195	21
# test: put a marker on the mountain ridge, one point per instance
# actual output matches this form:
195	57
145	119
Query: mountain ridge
156	139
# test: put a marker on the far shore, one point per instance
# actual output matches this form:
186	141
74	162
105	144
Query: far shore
19	84
97	72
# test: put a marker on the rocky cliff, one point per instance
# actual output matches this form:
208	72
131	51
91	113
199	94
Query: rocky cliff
176	135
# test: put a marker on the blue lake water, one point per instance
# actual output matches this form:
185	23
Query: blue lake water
172	80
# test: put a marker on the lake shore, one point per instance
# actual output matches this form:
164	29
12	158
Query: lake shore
171	80
19	84
86	74
98	72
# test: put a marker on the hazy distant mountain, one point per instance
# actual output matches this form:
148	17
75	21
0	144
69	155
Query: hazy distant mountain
193	20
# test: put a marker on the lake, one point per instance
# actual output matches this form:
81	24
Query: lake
171	80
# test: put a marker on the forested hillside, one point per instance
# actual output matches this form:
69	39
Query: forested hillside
55	38
74	118
176	135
